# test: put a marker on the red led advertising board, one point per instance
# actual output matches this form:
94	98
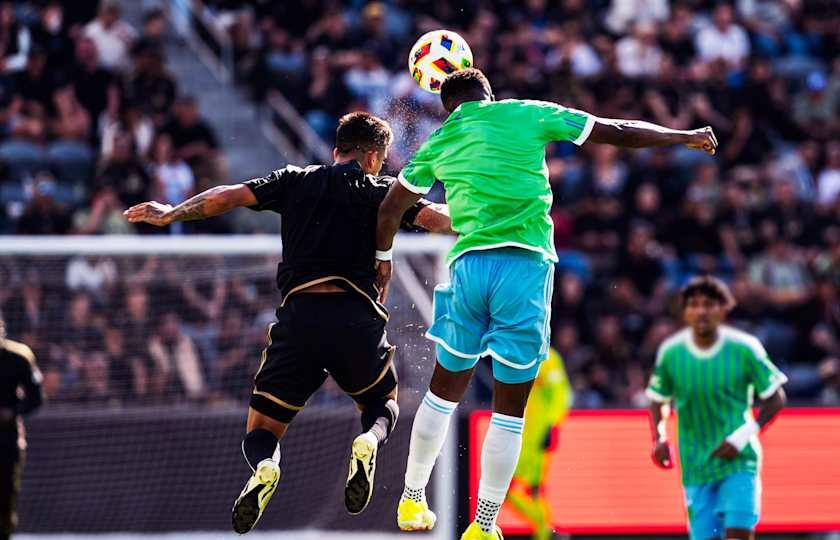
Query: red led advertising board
601	479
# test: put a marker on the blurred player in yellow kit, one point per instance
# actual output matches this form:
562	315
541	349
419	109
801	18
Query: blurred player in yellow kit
548	406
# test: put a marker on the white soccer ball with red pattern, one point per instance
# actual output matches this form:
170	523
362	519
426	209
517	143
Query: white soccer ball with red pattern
435	55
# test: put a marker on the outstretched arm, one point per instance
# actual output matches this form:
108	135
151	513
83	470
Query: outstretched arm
639	134
214	201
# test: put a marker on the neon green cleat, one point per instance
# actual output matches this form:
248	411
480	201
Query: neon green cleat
255	496
415	516
474	532
359	486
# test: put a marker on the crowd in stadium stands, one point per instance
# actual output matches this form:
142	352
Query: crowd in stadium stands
90	119
630	226
141	330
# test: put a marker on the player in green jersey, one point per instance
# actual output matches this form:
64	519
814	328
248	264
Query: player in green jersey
548	406
490	156
711	371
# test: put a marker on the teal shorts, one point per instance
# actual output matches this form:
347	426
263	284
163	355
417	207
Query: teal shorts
731	503
497	304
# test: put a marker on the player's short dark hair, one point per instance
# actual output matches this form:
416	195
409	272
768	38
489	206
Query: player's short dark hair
361	131
710	287
465	85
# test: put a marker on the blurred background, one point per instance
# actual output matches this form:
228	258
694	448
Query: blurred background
148	354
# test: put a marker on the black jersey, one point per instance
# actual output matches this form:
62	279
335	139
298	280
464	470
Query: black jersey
328	230
17	371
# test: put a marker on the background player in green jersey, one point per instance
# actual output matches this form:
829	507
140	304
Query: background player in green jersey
548	406
711	372
490	156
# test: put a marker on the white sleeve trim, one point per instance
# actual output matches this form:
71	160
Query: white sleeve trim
411	187
587	129
656	396
778	381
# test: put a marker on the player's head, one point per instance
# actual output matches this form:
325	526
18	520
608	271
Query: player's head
706	300
365	138
465	85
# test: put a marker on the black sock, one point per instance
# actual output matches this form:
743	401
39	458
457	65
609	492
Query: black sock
380	419
258	444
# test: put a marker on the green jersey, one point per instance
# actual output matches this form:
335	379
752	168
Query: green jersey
712	390
490	156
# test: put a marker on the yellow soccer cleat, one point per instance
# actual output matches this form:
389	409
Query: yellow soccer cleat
415	516
359	486
255	496
474	532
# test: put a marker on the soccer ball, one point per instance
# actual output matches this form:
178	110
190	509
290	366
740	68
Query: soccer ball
435	55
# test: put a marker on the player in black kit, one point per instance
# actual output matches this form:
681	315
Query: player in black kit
18	372
331	320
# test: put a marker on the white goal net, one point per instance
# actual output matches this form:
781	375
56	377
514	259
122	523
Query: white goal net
148	347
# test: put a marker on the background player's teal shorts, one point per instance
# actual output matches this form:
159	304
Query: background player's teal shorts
498	303
731	503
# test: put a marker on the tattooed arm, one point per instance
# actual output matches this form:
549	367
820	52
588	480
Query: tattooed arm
212	202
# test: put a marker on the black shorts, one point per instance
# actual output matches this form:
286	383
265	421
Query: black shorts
11	462
316	335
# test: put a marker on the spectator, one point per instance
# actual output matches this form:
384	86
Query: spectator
698	241
639	55
622	15
154	30
50	33
369	82
193	139
132	125
112	36
177	366
282	65
80	336
328	96
43	214
120	372
122	173
788	215
70	153
723	39
815	110
676	35
96	87
25	309
829	179
173	179
15	39
96	276
641	265
373	36
575	52
234	371
738	222
781	278
151	88
136	326
34	84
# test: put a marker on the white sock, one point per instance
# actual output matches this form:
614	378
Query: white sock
499	457
428	433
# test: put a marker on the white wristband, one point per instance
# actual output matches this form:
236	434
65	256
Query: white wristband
384	255
741	436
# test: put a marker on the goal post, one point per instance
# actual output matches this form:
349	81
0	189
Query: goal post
148	345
